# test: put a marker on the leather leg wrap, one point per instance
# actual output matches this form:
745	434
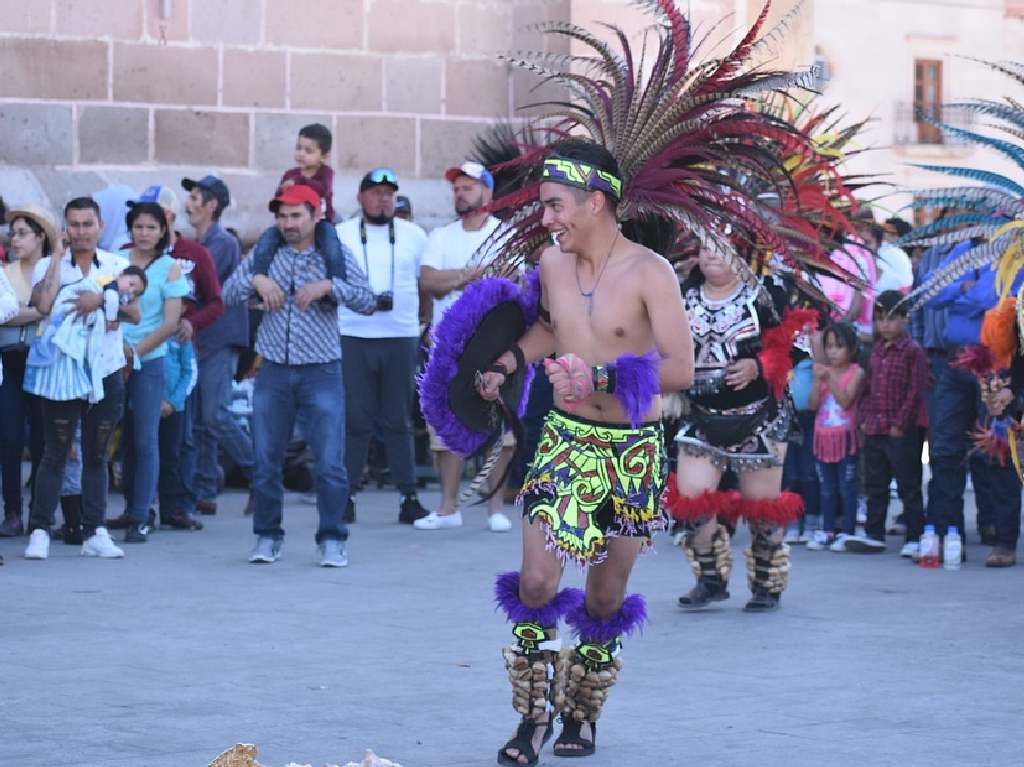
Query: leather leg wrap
713	563
767	566
531	677
581	687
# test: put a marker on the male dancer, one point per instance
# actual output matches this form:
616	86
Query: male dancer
611	311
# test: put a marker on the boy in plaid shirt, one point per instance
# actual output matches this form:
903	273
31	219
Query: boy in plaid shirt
889	415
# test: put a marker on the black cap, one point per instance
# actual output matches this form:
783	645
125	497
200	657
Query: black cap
891	302
379	176
211	184
403	204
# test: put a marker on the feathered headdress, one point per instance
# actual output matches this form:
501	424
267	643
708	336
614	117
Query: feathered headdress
989	212
815	213
692	155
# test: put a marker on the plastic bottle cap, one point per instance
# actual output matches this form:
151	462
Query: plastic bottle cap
929	528
952	530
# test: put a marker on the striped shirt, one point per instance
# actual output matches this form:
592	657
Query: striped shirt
290	336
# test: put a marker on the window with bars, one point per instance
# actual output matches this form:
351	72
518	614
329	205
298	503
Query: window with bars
927	99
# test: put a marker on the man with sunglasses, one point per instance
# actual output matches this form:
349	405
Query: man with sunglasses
379	351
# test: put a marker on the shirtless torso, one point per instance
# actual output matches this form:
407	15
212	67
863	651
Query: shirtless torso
635	308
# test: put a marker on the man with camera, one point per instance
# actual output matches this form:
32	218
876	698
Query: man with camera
379	351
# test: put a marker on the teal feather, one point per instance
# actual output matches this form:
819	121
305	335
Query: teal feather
975	174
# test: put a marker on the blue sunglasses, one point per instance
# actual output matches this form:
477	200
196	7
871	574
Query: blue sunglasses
382	176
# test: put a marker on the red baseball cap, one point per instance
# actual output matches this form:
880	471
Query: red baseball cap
297	194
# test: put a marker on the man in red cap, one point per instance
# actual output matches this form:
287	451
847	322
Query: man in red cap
300	377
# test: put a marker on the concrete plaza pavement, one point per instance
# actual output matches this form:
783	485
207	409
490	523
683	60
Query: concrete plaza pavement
169	656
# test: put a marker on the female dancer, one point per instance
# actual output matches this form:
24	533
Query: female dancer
739	418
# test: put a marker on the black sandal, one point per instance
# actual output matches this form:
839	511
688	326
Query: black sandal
571	737
523	743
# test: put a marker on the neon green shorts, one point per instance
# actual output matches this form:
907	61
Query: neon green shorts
590	481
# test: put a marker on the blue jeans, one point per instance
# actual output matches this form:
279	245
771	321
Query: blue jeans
141	438
315	395
838	482
13	410
954	406
175	462
798	471
213	426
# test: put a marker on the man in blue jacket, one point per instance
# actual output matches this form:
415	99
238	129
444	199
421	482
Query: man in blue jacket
955	409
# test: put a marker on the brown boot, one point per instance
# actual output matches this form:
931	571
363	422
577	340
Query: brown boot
1001	556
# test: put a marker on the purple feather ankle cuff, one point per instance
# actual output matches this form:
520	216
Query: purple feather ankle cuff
636	384
630	618
506	595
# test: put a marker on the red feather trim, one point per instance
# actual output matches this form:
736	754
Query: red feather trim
977	360
777	343
788	507
698	508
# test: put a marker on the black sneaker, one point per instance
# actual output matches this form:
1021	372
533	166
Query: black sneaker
411	510
762	602
122	522
350	512
703	594
137	534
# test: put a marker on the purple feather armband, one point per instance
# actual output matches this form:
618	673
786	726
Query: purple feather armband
636	384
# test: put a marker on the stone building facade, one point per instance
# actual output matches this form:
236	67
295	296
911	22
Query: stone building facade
95	92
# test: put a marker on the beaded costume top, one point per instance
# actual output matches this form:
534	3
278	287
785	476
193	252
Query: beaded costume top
725	330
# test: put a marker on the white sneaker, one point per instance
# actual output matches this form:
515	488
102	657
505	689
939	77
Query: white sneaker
499	523
819	542
839	544
910	550
435	521
99	544
38	545
792	536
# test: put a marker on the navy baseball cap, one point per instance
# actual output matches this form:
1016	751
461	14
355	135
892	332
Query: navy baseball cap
211	184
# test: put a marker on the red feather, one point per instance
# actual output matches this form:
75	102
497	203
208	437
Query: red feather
776	354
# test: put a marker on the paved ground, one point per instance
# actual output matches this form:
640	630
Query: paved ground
181	649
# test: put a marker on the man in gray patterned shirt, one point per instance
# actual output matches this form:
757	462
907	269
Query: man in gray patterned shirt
300	376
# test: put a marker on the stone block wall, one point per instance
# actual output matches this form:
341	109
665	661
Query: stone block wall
97	92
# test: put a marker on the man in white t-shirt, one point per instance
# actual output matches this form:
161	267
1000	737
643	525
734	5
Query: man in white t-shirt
379	351
451	262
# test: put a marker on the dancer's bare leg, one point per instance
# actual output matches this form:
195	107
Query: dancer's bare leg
606	590
538	582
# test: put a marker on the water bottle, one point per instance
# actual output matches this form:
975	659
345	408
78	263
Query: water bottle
953	550
929	547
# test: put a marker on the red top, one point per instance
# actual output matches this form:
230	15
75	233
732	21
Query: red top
897	380
209	307
322	181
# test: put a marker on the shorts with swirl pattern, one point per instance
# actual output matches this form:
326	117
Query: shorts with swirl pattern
591	481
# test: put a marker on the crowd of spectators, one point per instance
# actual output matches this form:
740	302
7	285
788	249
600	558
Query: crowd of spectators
133	349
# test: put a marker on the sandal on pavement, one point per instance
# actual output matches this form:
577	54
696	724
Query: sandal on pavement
571	737
523	743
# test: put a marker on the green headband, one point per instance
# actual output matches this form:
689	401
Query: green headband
582	176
